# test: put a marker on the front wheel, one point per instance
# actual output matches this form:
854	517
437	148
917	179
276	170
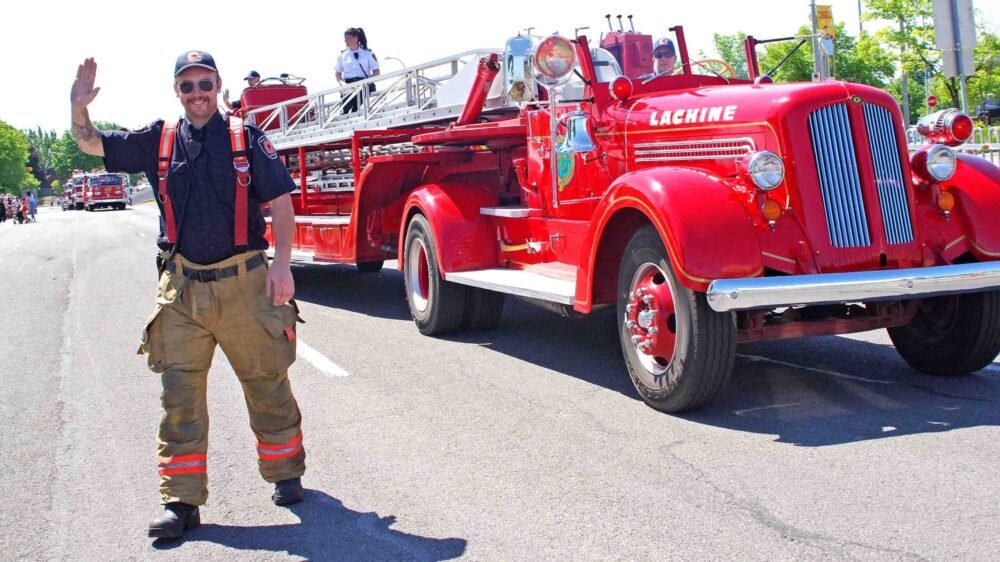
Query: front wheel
679	352
436	305
951	335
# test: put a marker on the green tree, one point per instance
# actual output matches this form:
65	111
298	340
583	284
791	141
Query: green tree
66	155
799	65
730	49
14	153
856	59
912	36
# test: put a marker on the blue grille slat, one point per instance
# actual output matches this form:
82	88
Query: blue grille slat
860	230
837	168
888	175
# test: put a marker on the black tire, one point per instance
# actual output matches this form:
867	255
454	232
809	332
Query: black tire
437	306
370	266
701	342
952	335
483	310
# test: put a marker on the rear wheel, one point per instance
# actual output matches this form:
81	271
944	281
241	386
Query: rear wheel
952	335
436	305
370	266
483	310
679	352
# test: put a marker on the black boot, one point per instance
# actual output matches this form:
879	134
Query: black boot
287	492
177	517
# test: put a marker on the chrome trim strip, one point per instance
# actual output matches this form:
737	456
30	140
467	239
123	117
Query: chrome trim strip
716	149
863	286
508	212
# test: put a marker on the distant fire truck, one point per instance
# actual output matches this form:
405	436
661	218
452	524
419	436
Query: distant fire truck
105	189
707	209
73	195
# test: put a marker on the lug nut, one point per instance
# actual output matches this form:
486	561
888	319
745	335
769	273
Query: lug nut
635	340
630	308
630	324
653	330
647	299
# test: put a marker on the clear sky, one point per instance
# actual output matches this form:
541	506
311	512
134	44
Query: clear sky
136	43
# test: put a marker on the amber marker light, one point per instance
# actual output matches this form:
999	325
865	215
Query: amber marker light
771	210
946	201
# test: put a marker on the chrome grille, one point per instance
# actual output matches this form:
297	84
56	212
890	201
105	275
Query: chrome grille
837	168
718	149
888	175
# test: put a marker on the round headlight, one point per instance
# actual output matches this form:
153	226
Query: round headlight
765	169
555	58
941	162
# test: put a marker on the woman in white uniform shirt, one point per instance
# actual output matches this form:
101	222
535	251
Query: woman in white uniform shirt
356	63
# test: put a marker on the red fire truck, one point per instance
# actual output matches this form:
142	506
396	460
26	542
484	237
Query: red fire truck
707	210
75	189
105	190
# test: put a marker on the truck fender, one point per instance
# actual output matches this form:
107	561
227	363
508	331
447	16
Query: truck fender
465	238
705	228
976	186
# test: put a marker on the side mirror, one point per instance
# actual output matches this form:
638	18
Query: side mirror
519	70
826	44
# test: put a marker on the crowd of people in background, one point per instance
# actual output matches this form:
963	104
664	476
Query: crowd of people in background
18	209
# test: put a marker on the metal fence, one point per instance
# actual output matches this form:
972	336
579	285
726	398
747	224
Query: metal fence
985	143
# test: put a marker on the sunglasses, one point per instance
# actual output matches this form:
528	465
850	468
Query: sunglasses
186	87
662	55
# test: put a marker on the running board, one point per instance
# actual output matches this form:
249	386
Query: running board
298	256
517	282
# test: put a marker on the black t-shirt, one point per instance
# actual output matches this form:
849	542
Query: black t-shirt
202	183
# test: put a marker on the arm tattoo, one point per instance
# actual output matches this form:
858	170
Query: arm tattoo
85	132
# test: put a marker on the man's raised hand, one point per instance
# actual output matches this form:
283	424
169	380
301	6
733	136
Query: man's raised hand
83	91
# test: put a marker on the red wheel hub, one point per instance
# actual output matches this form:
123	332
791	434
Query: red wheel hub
650	317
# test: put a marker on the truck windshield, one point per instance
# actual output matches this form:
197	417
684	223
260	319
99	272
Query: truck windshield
107	179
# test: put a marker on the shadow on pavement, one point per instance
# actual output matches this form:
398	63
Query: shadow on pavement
327	531
809	392
343	286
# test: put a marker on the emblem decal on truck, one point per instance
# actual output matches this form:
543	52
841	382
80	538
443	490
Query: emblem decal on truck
693	115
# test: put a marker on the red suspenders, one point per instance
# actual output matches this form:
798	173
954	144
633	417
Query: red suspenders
237	138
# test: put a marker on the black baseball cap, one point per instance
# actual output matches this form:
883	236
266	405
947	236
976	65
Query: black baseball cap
252	74
190	59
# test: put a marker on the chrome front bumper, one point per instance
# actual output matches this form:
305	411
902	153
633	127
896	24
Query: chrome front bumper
863	286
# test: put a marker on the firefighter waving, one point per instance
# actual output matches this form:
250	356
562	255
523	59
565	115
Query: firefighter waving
216	286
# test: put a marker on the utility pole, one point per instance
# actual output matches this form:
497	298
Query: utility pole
956	29
906	85
815	44
861	24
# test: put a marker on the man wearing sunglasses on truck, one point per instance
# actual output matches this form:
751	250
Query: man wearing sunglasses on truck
664	59
216	287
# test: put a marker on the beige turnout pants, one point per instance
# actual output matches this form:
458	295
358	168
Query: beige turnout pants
258	338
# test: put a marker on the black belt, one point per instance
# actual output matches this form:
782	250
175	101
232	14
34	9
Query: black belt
209	275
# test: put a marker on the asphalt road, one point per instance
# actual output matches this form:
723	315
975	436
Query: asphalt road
525	443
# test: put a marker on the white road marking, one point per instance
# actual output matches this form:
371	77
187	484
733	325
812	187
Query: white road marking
813	369
141	234
320	361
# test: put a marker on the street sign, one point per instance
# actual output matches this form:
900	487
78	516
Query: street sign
824	20
932	101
